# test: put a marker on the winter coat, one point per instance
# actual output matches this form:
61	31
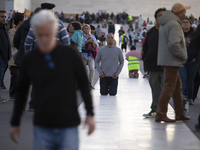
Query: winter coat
172	48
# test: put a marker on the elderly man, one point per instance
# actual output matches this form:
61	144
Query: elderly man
172	54
53	69
112	62
62	35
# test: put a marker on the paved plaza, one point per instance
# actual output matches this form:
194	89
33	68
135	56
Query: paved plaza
119	121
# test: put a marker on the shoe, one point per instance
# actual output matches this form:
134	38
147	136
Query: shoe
136	76
131	75
31	109
151	114
191	102
166	119
12	98
92	87
2	100
3	86
197	127
145	75
182	118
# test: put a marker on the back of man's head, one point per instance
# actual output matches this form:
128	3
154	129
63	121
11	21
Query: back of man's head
133	47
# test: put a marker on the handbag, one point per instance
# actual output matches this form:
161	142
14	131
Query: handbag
89	46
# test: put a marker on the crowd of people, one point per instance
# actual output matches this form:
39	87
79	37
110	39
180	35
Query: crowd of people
41	52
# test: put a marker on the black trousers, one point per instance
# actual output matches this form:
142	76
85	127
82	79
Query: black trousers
14	71
130	38
196	85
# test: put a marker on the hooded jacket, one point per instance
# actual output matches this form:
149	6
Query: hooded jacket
172	48
77	37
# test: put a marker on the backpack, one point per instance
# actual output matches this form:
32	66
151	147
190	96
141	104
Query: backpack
125	40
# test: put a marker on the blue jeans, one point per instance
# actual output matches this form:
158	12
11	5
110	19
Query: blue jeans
56	139
108	85
3	67
187	74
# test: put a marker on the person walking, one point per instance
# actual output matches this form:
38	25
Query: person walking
111	28
187	73
111	59
172	54
150	54
14	69
5	49
130	33
88	58
140	22
53	69
133	58
124	41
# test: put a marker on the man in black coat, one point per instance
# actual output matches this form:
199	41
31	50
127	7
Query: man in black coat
156	74
5	49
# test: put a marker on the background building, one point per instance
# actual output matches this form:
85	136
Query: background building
132	7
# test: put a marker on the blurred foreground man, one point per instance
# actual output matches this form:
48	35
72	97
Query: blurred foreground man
172	54
56	118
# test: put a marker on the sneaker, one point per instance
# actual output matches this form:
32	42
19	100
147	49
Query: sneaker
3	86
2	100
191	102
145	75
151	114
31	109
92	87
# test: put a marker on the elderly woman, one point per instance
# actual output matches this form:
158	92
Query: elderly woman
187	73
88	58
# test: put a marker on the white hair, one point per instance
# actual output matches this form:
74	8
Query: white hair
43	18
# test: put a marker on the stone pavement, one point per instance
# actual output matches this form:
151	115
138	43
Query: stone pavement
119	121
120	125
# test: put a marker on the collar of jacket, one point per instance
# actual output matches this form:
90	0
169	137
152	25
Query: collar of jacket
157	27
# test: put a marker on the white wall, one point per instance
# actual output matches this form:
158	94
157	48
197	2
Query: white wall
21	5
9	5
132	7
2	4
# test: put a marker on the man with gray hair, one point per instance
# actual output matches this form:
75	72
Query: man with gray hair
56	118
112	62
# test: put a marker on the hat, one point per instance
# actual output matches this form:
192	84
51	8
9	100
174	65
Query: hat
47	6
178	7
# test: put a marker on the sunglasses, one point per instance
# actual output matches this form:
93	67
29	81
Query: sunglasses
3	16
50	63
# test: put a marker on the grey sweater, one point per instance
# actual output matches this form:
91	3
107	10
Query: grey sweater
111	59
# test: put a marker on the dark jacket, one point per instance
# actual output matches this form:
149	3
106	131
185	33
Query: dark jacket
5	51
150	50
19	40
195	38
55	98
192	51
111	28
